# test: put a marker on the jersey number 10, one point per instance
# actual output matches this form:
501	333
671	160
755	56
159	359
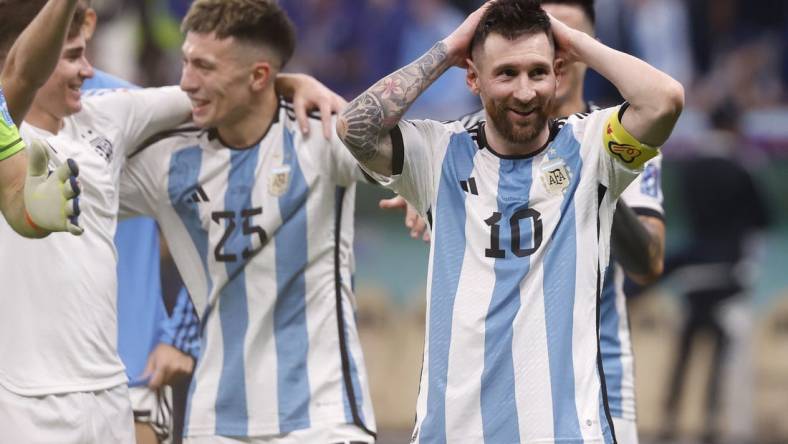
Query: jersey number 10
495	250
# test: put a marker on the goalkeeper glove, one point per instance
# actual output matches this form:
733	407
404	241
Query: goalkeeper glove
51	199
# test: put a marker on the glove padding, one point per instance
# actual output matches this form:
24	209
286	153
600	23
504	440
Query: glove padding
51	199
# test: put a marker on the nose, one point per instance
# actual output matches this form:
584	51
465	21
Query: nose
85	68
525	91
188	79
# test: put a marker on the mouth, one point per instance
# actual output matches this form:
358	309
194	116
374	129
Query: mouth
199	104
522	113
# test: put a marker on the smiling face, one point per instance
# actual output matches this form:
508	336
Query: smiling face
60	96
218	79
516	81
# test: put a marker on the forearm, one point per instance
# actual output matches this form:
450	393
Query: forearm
655	98
34	55
638	244
12	196
365	124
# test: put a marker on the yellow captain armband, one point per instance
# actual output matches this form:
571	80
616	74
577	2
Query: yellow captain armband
10	141
623	146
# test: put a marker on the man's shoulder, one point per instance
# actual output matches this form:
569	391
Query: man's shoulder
172	140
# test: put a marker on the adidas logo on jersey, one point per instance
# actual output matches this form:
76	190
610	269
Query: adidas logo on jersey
198	196
469	186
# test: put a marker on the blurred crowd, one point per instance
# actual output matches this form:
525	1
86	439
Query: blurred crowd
721	50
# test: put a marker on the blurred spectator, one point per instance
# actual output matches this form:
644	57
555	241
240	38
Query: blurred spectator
380	38
327	45
430	21
660	36
725	209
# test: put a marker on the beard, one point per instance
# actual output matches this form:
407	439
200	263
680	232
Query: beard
516	132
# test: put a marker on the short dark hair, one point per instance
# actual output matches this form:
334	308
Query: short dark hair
17	14
586	5
260	22
512	19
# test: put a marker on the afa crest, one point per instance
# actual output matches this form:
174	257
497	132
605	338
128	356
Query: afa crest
279	180
555	176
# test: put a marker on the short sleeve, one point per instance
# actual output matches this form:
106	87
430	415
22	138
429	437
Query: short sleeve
10	141
644	194
418	149
614	174
142	113
139	180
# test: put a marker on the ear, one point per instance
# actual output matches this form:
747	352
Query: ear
472	77
262	76
559	67
89	25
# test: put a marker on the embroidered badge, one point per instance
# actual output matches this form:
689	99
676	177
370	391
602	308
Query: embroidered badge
555	176
279	180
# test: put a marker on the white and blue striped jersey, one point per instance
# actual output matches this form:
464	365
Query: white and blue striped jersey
644	196
519	244
263	239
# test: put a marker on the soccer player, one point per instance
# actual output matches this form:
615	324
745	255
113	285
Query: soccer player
259	220
63	366
33	202
521	210
156	349
637	237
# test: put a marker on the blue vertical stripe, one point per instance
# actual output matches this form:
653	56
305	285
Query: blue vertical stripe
232	416
290	330
610	343
183	180
449	247
498	402
560	270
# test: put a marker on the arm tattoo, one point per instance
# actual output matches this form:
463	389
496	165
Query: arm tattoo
375	112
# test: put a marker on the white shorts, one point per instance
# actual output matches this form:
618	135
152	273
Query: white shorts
98	417
626	430
334	434
153	407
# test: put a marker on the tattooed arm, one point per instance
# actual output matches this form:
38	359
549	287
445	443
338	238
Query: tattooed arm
365	124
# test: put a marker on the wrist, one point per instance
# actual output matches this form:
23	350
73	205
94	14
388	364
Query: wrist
455	54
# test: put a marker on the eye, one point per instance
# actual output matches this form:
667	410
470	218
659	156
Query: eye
538	73
508	72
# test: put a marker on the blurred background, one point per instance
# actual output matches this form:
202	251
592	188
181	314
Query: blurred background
711	339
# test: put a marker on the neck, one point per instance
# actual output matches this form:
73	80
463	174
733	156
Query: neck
44	120
252	126
503	146
573	103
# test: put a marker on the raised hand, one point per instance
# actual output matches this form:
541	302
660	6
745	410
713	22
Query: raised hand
51	200
458	43
564	40
309	94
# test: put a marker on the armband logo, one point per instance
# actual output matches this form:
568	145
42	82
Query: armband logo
627	153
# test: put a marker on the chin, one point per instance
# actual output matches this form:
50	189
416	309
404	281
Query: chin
73	108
